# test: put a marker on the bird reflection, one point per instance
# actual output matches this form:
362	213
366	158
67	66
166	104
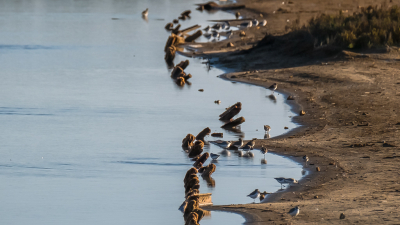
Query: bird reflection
263	161
272	98
210	182
234	130
145	18
266	136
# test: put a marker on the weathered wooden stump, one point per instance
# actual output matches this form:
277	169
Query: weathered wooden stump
187	142
183	64
191	171
194	36
186	13
209	170
170	54
169	26
180	81
177	72
234	123
202	159
231	112
203	133
197	149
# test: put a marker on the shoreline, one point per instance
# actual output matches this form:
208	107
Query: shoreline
350	130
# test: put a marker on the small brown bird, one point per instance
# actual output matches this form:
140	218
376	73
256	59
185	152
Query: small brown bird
264	150
145	13
237	14
273	87
267	128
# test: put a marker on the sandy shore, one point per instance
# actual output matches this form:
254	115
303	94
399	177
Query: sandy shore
351	129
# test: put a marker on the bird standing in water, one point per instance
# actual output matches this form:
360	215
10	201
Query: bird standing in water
255	194
145	13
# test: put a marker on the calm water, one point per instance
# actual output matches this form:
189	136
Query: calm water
92	123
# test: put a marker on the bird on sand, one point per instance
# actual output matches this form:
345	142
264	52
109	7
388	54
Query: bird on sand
215	34
247	24
255	194
295	211
305	159
264	150
263	23
273	87
267	128
214	156
237	14
145	13
238	144
255	22
207	35
249	145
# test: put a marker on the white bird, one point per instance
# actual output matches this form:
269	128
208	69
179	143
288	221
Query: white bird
263	23
145	13
295	211
215	34
255	194
255	22
224	144
214	156
216	26
228	26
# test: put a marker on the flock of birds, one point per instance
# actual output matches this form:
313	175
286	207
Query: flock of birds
215	30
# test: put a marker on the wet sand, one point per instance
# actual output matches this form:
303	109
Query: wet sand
350	129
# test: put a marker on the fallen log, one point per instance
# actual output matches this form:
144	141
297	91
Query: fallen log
194	36
192	28
183	64
231	111
203	158
213	5
234	123
177	72
203	133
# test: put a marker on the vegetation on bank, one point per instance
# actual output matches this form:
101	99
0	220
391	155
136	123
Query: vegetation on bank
372	27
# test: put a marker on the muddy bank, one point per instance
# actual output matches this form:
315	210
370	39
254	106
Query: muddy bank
350	130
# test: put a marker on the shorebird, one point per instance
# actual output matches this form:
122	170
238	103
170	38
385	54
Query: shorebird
238	144
280	180
255	22
237	14
247	24
229	33
207	29
264	150
267	128
224	144
273	87
215	34
214	156
216	26
145	13
249	145
305	159
207	35
226	26
263	23
255	194
295	211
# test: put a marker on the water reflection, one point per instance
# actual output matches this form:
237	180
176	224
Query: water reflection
210	181
272	98
266	136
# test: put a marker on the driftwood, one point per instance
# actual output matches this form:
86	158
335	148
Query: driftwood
188	173
208	170
197	149
234	123
203	133
186	13
169	26
173	40
176	29
213	5
187	30
183	64
170	54
180	81
194	36
217	135
187	142
203	158
177	72
231	111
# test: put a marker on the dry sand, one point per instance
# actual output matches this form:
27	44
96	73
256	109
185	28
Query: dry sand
351	102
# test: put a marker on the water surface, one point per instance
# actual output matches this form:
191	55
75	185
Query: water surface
92	123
